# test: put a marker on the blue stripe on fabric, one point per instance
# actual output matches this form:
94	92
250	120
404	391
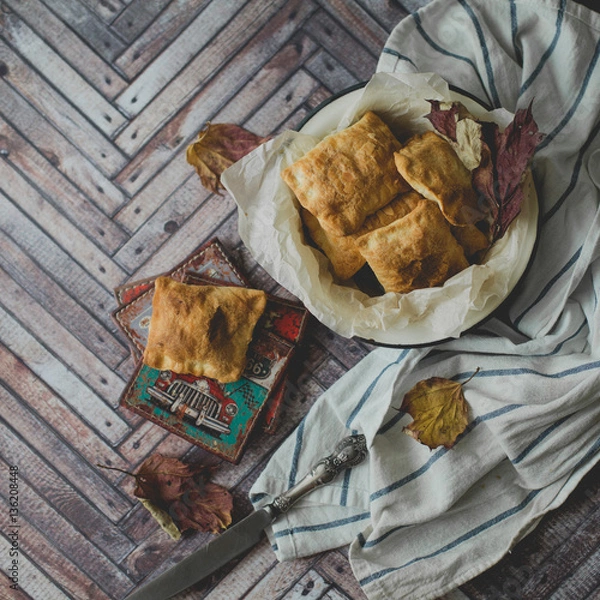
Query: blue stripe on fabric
408	478
297	448
438	48
458	541
514	28
559	19
440	453
484	51
573	108
345	488
588	455
364	543
346	482
371	387
539	439
565	341
399	56
254	498
526	371
549	285
574	177
322	526
560	346
387	426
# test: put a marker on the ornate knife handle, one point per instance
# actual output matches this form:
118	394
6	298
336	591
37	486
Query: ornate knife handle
348	453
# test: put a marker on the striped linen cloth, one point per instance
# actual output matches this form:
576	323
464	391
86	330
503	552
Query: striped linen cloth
419	522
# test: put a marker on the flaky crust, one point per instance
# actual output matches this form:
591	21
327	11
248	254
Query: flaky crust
416	251
202	330
399	207
347	176
431	167
341	250
474	242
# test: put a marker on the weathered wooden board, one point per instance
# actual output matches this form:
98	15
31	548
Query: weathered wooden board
98	102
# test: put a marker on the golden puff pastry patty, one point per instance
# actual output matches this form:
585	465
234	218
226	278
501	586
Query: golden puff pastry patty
416	251
399	207
431	167
202	330
474	242
341	250
348	175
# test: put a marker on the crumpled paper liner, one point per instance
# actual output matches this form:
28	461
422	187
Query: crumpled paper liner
271	228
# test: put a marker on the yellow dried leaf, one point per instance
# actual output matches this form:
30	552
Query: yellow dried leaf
163	518
439	412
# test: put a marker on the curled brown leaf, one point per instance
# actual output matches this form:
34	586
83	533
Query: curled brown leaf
219	146
184	492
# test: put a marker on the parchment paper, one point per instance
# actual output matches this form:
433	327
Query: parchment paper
270	226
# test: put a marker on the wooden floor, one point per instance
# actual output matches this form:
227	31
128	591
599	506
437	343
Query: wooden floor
98	101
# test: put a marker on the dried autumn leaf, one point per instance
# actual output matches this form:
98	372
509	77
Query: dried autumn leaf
444	119
163	518
468	143
512	151
162	480
505	157
206	507
454	122
439	411
180	496
218	147
185	493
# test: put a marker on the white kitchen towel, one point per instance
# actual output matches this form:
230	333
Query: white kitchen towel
420	522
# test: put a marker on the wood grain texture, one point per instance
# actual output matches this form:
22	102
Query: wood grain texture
98	102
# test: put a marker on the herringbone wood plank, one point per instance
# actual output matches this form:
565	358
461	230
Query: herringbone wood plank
98	101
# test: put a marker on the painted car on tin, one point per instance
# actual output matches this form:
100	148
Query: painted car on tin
199	400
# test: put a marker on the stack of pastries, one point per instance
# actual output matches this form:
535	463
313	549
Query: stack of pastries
406	211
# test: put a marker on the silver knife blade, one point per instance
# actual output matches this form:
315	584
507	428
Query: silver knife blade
227	546
249	531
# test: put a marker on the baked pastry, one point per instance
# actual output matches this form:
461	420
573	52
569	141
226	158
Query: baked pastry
416	251
202	330
348	175
474	242
431	167
399	207
341	250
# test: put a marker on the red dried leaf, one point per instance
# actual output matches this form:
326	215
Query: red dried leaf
505	158
218	147
444	120
514	149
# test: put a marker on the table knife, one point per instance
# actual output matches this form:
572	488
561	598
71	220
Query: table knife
249	531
